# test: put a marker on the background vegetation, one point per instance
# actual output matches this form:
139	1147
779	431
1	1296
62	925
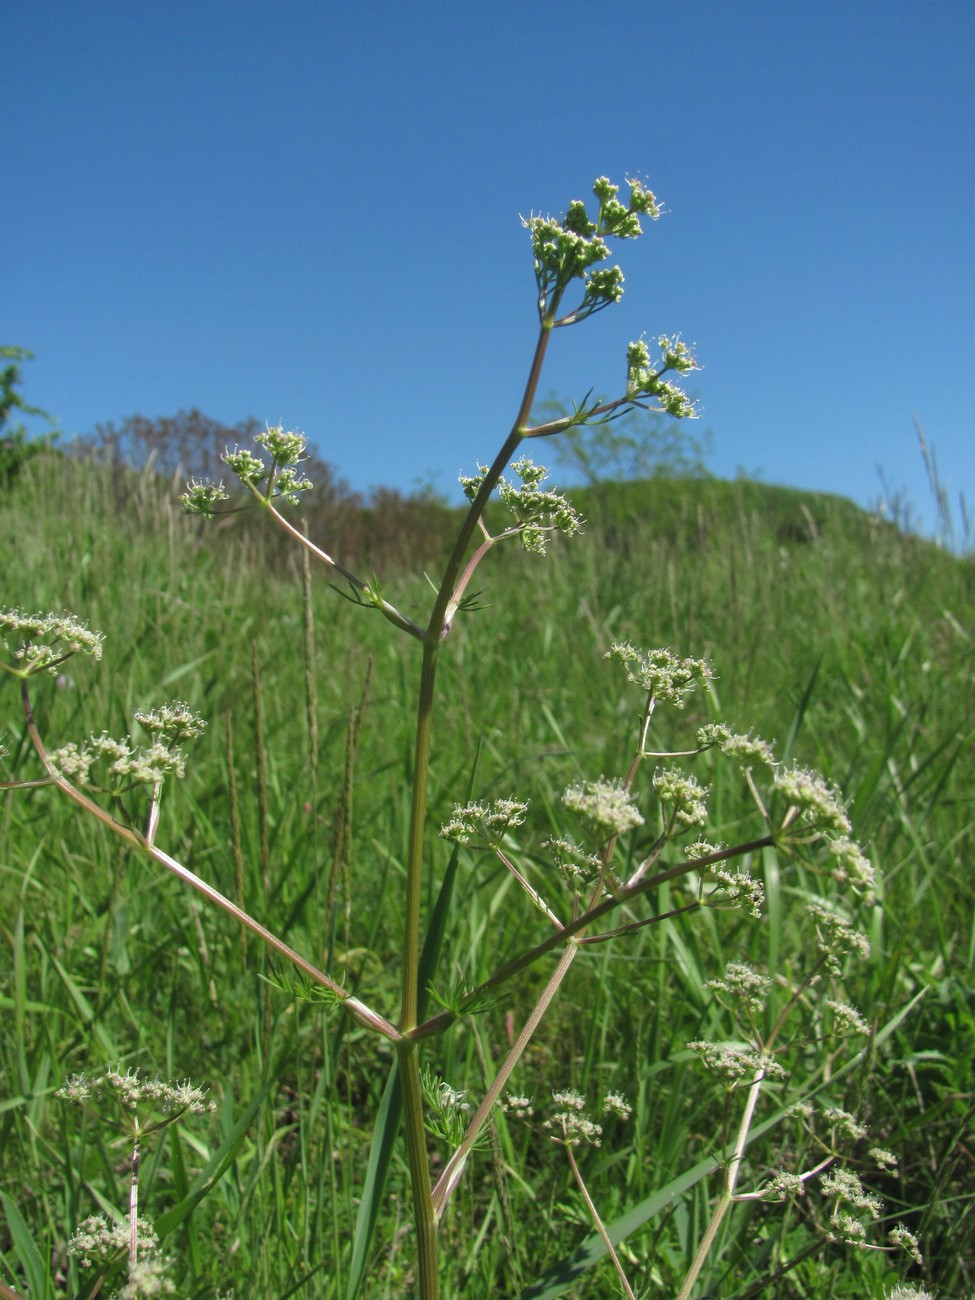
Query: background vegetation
846	640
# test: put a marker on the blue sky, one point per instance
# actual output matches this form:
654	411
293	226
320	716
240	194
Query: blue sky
309	213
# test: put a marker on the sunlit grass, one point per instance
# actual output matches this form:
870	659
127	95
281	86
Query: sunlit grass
847	642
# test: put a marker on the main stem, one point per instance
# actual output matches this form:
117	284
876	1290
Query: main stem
437	629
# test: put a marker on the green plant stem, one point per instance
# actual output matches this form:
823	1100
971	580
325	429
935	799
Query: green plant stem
414	874
134	1204
437	629
439	626
389	611
600	1227
438	1023
450	1177
358	1010
424	1218
728	1188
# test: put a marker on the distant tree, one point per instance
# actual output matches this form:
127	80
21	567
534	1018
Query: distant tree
639	444
16	444
192	445
380	529
393	526
189	442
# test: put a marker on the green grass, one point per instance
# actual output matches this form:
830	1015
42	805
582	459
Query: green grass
844	640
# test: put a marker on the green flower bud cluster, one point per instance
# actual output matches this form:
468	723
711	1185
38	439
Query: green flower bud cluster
846	1018
615	219
250	469
602	288
279	480
484	825
282	479
905	1240
569	249
577	867
844	1123
202	497
538	511
40	643
448	1110
284	448
783	1186
737	889
851	865
644	379
746	750
131	766
683	795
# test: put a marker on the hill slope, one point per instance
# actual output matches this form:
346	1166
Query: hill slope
846	642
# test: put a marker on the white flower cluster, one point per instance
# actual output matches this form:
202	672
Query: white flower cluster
281	479
96	1240
40	643
483	825
738	889
604	803
149	765
733	1063
835	935
538	511
130	1090
742	986
661	673
745	749
819	805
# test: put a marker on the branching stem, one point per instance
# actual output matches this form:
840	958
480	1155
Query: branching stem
358	1010
389	611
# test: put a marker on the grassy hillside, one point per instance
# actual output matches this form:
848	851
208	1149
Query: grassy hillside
846	642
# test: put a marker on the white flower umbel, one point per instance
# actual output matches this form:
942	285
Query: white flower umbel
607	804
661	673
40	643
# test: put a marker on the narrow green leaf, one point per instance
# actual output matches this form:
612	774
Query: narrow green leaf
217	1166
38	1281
86	1011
